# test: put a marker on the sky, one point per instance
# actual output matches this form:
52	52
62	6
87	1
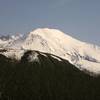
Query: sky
78	18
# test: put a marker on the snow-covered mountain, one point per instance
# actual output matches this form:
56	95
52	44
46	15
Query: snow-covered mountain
84	56
9	41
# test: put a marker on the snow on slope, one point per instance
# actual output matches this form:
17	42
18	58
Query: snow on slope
10	41
82	55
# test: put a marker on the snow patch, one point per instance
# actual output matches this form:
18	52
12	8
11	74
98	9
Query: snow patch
56	58
33	57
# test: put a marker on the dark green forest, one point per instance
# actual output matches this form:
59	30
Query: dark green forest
48	79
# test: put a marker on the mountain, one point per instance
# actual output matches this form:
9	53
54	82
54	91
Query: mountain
9	41
44	76
48	64
84	56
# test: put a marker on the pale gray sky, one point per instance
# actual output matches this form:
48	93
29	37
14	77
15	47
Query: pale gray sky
78	18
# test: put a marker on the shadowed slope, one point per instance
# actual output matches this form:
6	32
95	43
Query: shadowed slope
47	78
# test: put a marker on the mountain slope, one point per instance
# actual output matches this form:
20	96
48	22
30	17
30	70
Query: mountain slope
42	76
84	56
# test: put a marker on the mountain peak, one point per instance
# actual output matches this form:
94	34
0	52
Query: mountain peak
55	35
47	32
